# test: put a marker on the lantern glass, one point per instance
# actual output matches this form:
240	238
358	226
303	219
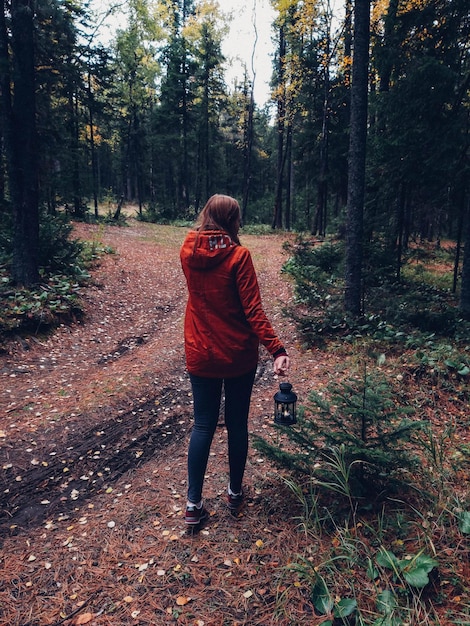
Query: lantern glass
285	401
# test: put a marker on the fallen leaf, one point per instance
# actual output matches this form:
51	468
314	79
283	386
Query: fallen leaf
84	619
259	543
128	599
182	600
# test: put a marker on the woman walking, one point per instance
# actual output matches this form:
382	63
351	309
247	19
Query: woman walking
224	325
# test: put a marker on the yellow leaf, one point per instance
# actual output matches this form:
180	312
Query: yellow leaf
84	618
182	600
259	543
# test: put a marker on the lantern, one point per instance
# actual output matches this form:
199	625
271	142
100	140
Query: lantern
285	405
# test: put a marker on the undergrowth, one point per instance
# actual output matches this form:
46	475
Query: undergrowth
378	461
63	267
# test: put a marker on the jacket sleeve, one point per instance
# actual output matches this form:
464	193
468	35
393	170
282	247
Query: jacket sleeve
250	297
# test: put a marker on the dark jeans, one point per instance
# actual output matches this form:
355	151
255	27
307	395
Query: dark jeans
207	394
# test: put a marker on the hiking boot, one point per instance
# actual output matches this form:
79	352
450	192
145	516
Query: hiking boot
234	501
194	515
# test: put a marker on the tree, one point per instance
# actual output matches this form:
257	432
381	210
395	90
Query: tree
21	145
136	72
210	94
465	290
357	159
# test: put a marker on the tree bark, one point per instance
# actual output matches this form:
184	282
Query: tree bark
24	166
5	96
357	160
281	116
465	285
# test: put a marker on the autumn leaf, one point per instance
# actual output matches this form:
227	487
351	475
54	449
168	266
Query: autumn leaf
182	600
84	618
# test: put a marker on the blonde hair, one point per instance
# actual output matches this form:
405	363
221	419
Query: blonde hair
221	213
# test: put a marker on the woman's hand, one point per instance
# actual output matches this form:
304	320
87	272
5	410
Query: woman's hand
281	365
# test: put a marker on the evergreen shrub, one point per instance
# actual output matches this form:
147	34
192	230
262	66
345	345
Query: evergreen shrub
358	421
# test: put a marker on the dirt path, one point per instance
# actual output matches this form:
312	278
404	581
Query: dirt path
94	425
120	372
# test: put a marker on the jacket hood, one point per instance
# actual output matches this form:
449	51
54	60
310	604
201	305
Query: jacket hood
204	250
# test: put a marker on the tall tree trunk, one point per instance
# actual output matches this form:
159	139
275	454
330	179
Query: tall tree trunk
247	149
249	130
348	9
75	150
24	166
357	159
389	52
281	115
289	176
5	100
461	199
94	172
322	185
465	289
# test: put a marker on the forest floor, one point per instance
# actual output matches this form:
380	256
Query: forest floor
94	425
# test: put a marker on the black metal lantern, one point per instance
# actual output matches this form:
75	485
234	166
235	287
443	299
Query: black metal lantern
285	405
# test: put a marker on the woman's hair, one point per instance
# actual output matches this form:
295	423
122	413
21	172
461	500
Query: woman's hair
221	213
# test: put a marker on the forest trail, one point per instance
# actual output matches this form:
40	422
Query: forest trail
120	371
94	425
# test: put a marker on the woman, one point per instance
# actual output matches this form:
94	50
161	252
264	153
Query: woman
224	324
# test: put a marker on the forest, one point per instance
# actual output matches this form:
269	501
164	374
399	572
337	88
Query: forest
148	118
353	181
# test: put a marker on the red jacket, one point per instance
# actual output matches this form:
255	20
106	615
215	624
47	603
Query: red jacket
224	321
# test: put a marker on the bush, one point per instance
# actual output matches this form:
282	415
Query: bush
356	431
